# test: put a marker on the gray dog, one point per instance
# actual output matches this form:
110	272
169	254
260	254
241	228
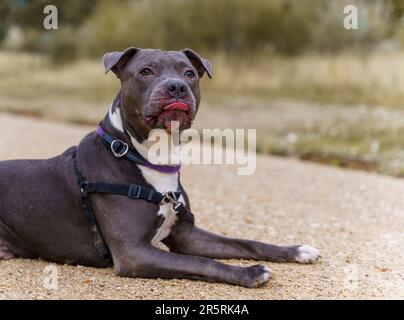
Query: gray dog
103	204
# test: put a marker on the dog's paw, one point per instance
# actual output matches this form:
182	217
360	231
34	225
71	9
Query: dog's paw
6	255
258	275
307	254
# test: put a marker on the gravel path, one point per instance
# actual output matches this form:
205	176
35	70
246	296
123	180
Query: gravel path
355	219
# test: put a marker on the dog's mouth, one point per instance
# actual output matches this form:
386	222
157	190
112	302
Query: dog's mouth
171	115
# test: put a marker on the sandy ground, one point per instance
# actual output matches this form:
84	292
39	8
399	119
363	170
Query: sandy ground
355	219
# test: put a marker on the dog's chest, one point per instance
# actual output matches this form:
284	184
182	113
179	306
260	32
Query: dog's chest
163	182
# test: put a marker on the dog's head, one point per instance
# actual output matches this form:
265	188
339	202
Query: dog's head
157	87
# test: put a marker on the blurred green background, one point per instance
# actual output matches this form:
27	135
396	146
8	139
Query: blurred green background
313	89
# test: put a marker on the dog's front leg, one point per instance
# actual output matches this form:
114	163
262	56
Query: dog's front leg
186	238
151	262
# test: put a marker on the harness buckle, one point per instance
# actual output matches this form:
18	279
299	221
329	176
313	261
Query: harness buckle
169	197
134	191
119	153
83	185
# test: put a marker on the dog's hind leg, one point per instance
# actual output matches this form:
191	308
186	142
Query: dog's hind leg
10	245
5	253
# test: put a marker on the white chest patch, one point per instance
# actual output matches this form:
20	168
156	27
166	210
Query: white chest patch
163	182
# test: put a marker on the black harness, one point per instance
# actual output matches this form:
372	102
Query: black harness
134	191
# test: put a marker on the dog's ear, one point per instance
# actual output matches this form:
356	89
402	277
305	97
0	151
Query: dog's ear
200	64
115	61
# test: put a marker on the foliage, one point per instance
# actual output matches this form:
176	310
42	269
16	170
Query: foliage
89	28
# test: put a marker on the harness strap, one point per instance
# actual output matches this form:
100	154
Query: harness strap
136	191
121	149
86	202
133	191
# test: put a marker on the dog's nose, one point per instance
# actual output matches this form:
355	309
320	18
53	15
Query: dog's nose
177	88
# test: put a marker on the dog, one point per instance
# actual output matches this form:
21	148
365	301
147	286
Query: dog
102	204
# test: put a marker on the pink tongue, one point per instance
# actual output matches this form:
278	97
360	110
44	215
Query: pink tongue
177	106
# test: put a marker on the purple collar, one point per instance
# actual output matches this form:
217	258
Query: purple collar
121	149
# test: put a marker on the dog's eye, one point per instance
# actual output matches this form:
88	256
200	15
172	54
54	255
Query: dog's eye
146	72
190	74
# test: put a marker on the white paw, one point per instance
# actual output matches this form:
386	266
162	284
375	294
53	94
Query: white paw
265	276
307	254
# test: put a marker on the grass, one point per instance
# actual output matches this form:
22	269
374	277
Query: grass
31	85
345	78
343	110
